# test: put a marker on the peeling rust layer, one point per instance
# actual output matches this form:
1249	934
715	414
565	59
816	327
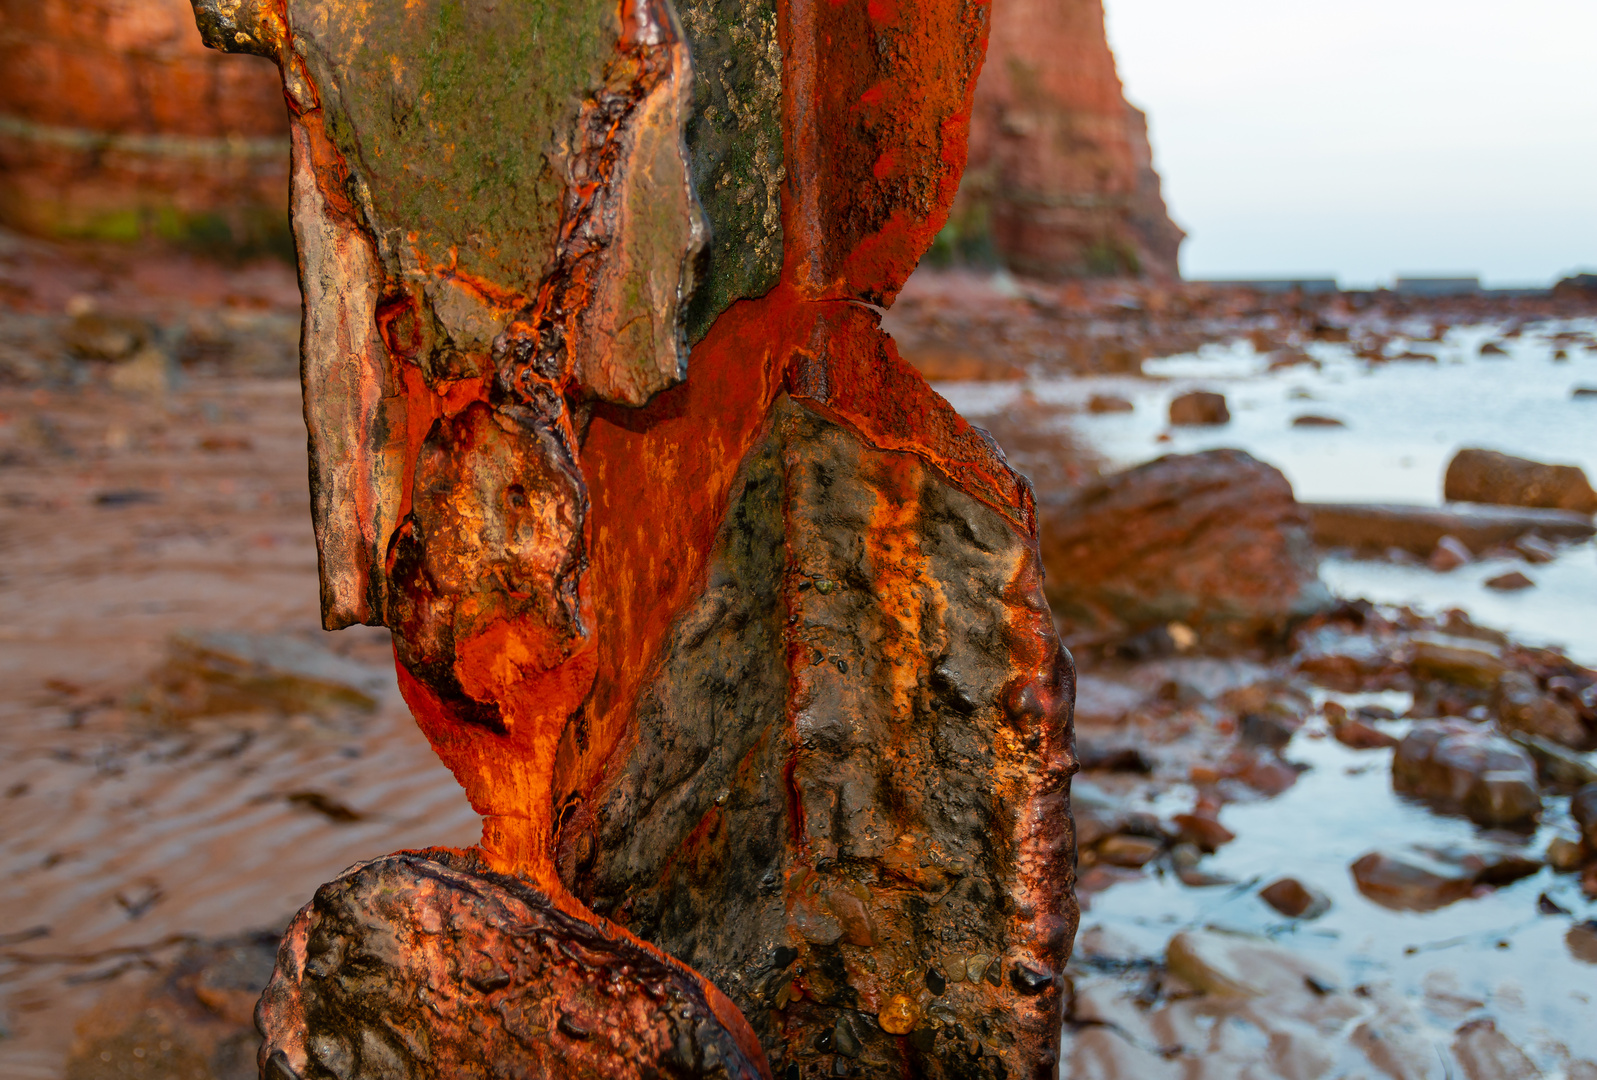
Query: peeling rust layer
878	104
425	964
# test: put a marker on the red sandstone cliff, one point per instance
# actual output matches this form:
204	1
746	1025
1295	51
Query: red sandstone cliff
116	122
1061	181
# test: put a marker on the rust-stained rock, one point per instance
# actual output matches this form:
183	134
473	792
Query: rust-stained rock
746	652
367	985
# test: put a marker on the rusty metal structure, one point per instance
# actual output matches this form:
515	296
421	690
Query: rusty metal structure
731	629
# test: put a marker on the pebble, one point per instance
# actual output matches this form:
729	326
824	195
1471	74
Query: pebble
1450	554
1203	831
1108	403
1199	407
1564	855
1294	899
1512	581
898	1015
1314	421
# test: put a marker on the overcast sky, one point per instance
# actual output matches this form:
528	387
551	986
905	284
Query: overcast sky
1369	138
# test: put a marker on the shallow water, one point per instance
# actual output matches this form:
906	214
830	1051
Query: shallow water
1494	950
1493	955
1405	420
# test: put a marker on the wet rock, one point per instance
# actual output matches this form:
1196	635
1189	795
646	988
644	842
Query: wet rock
358	981
1199	407
1513	581
1294	899
1583	808
1129	851
1409	884
1485	1053
212	672
1340	660
1373	528
1203	831
1461	766
1108	403
1357	735
1238	965
1588	393
1486	476
1267	730
1503	798
1449	554
1564	855
1522	706
1465	661
1214	541
1581	941
1310	420
1492	348
1426	878
1264	773
1535	549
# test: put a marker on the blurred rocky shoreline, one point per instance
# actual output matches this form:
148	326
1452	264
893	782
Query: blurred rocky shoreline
187	756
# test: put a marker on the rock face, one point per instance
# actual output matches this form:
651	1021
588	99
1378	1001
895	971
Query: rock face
1213	540
1463	766
1486	476
116	123
1061	180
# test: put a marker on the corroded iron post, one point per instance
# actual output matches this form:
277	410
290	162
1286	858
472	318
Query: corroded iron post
743	658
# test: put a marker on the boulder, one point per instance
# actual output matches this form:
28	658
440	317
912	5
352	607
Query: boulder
1214	541
1513	581
1463	766
1372	528
1486	476
1461	660
1199	407
1522	706
1558	766
1583	808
